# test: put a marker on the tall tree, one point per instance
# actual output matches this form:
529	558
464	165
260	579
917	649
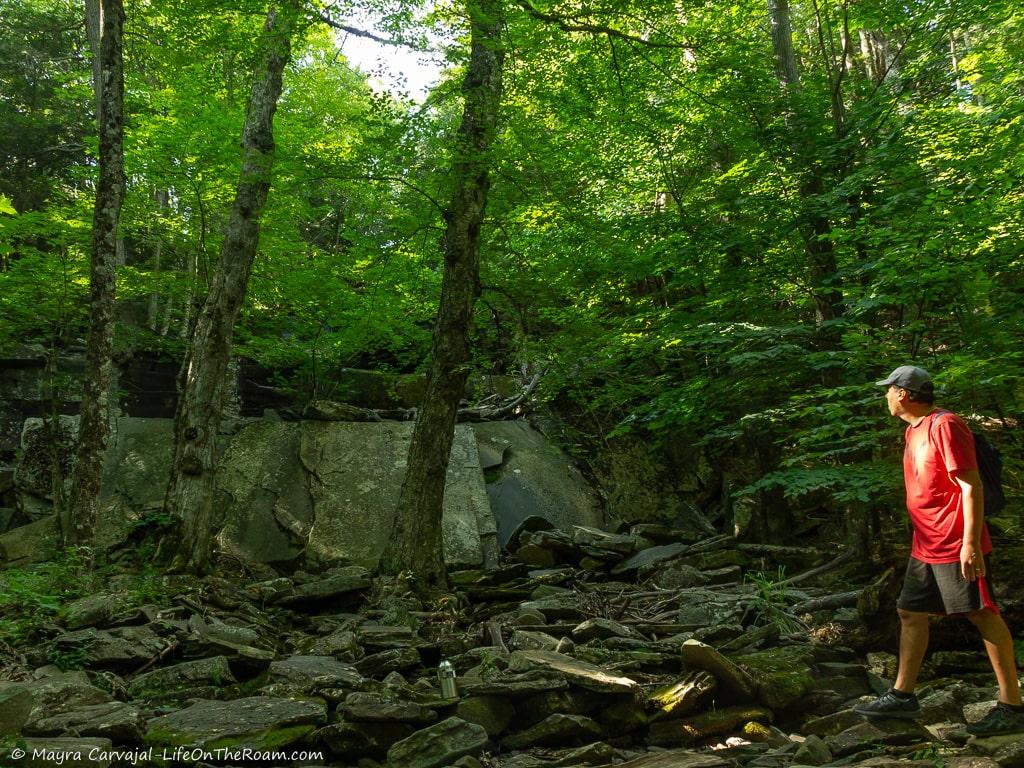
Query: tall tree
78	519
416	544
201	384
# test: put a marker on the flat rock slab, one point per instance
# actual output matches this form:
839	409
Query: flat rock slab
377	708
331	589
114	720
1006	750
677	758
888	731
555	730
712	723
315	671
515	684
213	670
651	556
360	740
730	677
258	722
439	745
579	673
125	647
683	696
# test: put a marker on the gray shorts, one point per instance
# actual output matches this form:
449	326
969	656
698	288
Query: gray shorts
941	588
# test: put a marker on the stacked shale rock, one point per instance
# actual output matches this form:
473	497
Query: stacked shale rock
588	648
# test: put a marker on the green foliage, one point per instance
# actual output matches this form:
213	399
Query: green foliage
688	251
770	601
30	597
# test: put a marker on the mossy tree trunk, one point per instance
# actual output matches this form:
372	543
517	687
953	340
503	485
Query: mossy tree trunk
78	519
416	543
189	496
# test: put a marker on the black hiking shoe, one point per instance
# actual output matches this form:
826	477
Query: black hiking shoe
890	705
1000	719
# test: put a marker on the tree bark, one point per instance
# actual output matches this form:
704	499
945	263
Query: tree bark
79	521
816	227
189	496
416	544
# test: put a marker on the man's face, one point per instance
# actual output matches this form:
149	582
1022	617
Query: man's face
893	398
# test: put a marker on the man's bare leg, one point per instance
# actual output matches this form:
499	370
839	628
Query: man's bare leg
913	644
999	644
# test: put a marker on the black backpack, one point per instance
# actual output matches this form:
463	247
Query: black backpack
990	467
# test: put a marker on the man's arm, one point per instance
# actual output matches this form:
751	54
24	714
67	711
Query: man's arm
972	562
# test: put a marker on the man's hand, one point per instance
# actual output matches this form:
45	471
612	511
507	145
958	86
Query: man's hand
972	562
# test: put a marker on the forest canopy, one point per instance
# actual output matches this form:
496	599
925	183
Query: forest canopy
707	221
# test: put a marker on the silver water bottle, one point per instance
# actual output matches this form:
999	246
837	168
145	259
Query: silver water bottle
446	676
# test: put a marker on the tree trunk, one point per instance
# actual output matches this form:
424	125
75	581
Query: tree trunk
416	544
815	226
201	383
782	42
79	522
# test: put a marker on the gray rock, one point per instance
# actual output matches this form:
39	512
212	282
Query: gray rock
716	722
114	720
679	576
576	672
94	610
730	677
513	684
611	543
342	645
524	640
338	588
134	475
812	752
258	722
651	556
313	673
15	707
62	692
887	731
382	637
439	745
940	707
355	475
683	696
357	741
377	708
494	713
677	758
594	754
601	628
830	725
30	543
379	664
212	671
536	478
123	647
555	730
570	701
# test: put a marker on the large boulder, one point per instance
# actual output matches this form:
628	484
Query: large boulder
15	707
534	477
355	473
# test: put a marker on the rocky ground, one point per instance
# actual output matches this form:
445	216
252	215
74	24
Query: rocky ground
644	650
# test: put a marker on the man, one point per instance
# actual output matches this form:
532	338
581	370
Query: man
946	574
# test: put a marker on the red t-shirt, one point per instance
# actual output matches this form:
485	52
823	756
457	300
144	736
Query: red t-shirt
937	447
